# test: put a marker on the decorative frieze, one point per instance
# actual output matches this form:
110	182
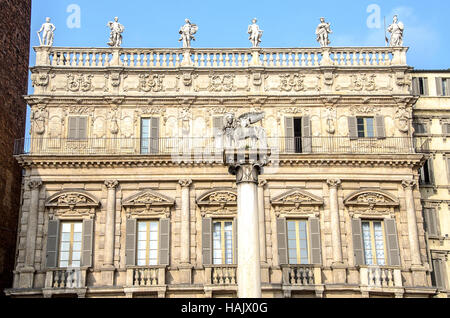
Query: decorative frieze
371	202
296	202
72	203
218	202
151	83
79	83
148	203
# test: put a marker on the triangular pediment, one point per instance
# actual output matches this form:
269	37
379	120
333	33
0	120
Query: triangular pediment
371	198
148	198
218	197
72	199
296	197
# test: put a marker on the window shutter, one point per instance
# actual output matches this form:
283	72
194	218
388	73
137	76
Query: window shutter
217	125
448	170
380	127
431	222
282	241
82	127
306	134
73	124
314	239
88	231
207	241
431	171
415	86
164	241
289	132
439	86
130	246
438	274
353	128
426	90
357	242
154	135
392	242
52	243
235	238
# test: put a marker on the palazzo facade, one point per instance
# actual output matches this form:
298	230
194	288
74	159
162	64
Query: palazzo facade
125	192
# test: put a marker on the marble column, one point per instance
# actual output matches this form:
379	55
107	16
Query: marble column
27	272
265	275
338	268
249	266
185	267
409	185
110	224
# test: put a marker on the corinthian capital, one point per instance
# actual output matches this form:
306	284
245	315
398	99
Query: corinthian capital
111	184
334	183
34	184
185	183
409	184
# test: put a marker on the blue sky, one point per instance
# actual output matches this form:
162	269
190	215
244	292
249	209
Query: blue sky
286	23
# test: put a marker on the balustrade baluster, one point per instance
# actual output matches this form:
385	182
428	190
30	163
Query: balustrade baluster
383	278
371	277
390	278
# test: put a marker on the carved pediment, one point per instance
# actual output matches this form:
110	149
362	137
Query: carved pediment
218	202
371	198
72	199
148	198
296	197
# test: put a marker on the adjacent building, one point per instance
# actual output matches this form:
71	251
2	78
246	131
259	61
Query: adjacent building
125	192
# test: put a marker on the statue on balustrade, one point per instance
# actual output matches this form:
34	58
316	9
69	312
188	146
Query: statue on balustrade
255	33
115	39
187	32
322	32
240	129
48	34
396	30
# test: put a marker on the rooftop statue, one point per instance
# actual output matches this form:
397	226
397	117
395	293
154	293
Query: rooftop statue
115	39
396	30
255	33
237	130
322	32
187	32
48	34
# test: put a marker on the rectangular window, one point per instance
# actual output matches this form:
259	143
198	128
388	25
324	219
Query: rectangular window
420	128
223	244
365	127
77	128
445	87
374	243
148	244
298	242
70	244
150	135
425	173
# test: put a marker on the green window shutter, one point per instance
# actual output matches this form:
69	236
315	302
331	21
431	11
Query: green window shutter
415	86
73	125
289	134
52	243
358	249
393	248
306	134
130	245
282	241
235	238
154	135
438	270
82	127
353	128
314	239
439	86
426	89
207	241
88	234
164	241
380	127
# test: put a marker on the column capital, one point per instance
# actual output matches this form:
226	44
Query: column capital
262	183
111	184
334	183
409	184
185	183
245	173
34	184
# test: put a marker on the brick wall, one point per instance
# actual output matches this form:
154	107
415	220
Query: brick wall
15	18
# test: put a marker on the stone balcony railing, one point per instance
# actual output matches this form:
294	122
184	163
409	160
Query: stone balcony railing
302	275
220	57
380	276
221	275
148	276
210	146
66	278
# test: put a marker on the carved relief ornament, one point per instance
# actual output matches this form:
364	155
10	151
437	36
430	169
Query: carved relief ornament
218	202
151	83
371	202
72	203
148	203
296	202
79	82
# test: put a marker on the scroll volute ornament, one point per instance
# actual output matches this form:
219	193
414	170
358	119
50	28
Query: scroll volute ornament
111	184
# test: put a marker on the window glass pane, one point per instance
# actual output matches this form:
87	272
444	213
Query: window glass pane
76	256
76	264
65	237
77	237
64	264
153	236
154	226
369	128
291	226
77	246
153	262
142	245
142	226
361	130
153	254
367	240
66	227
78	227
379	243
141	262
65	246
154	245
64	256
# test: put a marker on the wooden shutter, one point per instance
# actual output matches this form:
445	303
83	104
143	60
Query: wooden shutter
438	270
52	243
415	86
154	135
445	127
235	238
88	234
289	134
431	170
207	241
431	224
82	127
353	127
426	89
439	86
217	125
306	134
380	127
314	239
130	245
448	170
393	248
164	241
358	249
282	241
73	125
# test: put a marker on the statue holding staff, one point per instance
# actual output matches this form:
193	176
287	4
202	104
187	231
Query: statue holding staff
48	34
396	30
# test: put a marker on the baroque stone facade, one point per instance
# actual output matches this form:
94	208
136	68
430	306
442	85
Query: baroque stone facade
129	141
15	17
